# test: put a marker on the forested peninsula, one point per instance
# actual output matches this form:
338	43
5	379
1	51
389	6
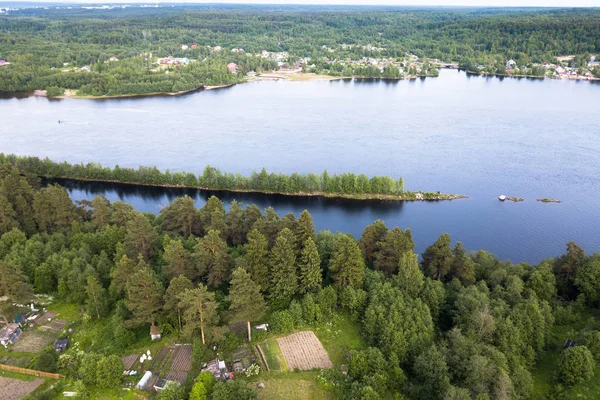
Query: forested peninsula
346	185
365	316
123	51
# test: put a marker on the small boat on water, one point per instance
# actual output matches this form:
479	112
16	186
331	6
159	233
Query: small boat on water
502	197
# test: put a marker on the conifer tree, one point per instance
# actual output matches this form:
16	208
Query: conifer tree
284	280
181	217
141	238
12	286
390	249
144	296
347	264
102	211
8	216
410	277
437	258
200	310
256	260
310	274
177	259
177	286
212	258
305	228
246	300
53	209
463	267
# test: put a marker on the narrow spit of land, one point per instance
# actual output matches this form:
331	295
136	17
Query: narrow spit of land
346	185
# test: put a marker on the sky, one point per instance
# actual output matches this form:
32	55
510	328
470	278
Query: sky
500	3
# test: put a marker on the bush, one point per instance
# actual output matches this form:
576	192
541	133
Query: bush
281	322
237	390
576	365
54	91
47	359
592	342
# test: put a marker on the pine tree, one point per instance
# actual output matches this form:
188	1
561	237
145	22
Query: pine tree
212	216
141	238
53	208
282	260
246	300
391	249
372	235
177	259
463	267
235	224
437	258
123	269
102	211
181	217
410	277
255	260
200	310
347	264
8	216
310	276
212	258
177	286
144	296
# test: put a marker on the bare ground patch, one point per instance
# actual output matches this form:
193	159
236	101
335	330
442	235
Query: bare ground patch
14	389
33	341
304	351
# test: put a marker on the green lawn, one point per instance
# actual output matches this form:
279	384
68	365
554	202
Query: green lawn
66	311
273	354
341	335
290	386
544	375
21	377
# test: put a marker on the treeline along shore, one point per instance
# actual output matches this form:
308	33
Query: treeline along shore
345	185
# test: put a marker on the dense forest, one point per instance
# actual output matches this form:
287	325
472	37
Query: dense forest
346	184
450	325
47	48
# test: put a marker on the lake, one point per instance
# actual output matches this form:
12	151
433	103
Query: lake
471	135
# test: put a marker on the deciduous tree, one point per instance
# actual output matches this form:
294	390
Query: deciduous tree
246	301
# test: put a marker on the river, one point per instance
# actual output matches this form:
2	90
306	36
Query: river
471	135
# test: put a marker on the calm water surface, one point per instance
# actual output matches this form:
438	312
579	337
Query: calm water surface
477	136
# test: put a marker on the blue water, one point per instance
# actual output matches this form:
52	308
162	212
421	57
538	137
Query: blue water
476	136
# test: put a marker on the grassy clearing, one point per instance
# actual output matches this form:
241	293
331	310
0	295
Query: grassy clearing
273	354
21	377
66	311
291	386
544	375
116	394
341	335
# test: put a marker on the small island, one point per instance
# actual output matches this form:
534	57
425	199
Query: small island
345	185
548	200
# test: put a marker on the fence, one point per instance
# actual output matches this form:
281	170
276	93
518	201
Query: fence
30	372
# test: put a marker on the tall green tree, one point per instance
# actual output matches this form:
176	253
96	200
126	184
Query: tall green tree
235	224
212	216
177	286
181	217
347	264
437	258
463	267
17	191
144	297
372	235
282	263
255	261
410	277
200	310
246	300
390	249
102	211
96	298
54	210
212	259
178	260
305	228
141	238
310	276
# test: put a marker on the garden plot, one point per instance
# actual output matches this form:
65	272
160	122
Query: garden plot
304	351
15	389
34	340
181	363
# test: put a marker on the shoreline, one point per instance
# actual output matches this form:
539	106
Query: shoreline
276	76
361	197
497	75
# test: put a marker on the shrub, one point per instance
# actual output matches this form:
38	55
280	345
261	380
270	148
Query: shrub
282	322
576	365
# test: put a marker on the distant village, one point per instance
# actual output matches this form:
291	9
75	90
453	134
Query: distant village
558	70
